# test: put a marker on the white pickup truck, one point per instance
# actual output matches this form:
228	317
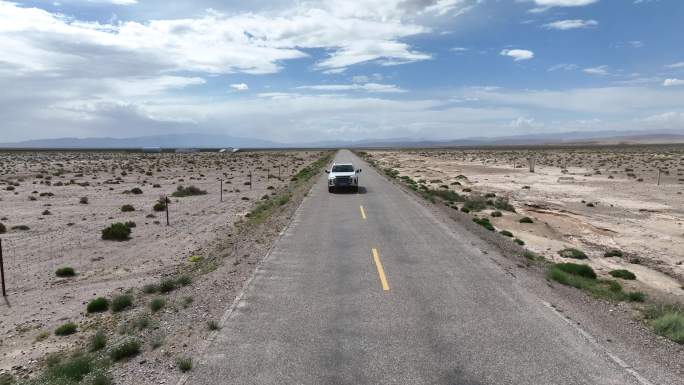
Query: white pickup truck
343	175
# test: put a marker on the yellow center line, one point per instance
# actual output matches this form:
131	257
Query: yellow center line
363	212
381	271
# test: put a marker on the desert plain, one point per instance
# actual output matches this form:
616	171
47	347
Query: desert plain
54	206
621	205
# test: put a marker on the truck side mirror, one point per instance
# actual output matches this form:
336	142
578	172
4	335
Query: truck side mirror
358	171
327	171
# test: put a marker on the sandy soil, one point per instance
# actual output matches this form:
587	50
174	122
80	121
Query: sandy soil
70	234
594	199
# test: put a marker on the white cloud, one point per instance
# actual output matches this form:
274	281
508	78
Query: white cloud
672	120
544	5
598	71
518	54
239	87
32	39
673	82
675	65
368	87
564	25
563	67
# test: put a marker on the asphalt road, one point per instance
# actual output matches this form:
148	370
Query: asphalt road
319	312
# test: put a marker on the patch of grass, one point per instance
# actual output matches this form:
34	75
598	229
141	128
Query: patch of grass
187	191
576	269
21	228
6	379
126	349
122	302
667	320
598	288
475	203
526	220
572	253
184	364
212	325
69	371
503	204
98	305
167	285
66	329
484	222
624	274
157	304
636	296
116	232
184	280
519	241
65	272
97	341
195	258
150	288
613	253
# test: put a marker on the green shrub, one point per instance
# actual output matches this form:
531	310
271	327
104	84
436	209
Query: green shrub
116	232
475	203
575	269
503	204
160	205
667	320
98	341
184	280
167	285
98	305
122	302
126	349
212	325
127	208
506	233
136	191
150	288
613	253
184	364
70	371
526	220
3	228
157	304
496	214
65	272
66	329
624	274
187	191
484	222
519	241
636	296
572	253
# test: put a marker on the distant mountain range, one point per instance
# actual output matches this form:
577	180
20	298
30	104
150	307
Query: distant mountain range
220	141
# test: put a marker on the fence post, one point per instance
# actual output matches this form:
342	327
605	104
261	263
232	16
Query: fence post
659	177
2	271
167	201
221	190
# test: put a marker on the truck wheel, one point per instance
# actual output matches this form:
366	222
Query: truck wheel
330	189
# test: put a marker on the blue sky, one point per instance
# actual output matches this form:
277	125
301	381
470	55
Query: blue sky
297	71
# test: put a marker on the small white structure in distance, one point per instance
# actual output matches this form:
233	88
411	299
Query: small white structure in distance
224	150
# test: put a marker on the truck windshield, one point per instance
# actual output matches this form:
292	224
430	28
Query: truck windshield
343	168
